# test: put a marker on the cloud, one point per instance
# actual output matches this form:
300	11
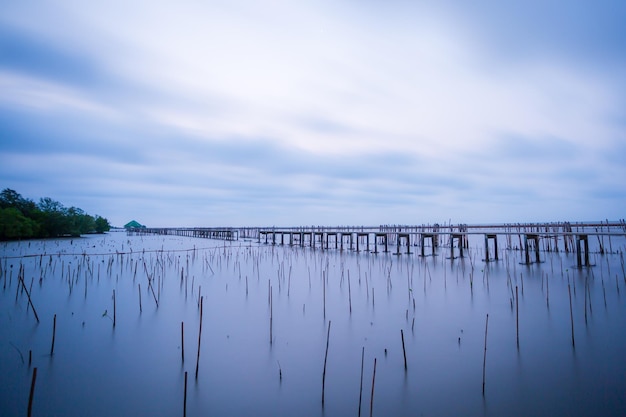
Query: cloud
316	111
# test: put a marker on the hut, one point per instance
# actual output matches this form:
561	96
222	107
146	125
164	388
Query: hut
134	224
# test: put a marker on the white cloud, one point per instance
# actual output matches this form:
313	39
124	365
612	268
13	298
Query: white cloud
326	81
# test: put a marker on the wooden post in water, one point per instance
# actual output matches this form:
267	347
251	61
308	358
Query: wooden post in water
372	397
571	313
30	302
182	343
485	353
325	360
185	397
32	392
114	310
54	332
517	315
349	294
140	309
361	386
403	350
199	337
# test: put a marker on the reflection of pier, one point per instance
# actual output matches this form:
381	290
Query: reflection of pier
530	239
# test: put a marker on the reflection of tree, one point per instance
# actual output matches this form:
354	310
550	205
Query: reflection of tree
22	218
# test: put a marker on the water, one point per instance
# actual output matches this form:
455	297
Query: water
135	367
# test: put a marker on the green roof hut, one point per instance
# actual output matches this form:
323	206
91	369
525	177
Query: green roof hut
134	224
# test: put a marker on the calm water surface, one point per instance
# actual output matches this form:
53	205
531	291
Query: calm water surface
441	305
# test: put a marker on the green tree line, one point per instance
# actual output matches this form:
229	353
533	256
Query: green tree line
22	218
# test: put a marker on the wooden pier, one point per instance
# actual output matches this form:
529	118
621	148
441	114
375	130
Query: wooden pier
529	238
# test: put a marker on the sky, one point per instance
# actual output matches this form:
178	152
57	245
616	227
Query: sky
343	112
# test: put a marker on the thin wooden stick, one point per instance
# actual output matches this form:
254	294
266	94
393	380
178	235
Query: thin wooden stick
182	342
361	386
140	309
114	308
324	284
571	313
517	315
403	350
372	397
185	397
54	332
349	294
485	353
21	279
199	337
32	392
271	314
325	360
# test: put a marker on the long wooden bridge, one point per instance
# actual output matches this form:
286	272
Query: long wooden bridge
529	237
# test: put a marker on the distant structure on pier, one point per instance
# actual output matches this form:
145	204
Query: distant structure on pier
134	224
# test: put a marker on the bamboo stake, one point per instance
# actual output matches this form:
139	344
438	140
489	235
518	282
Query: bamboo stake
517	315
372	397
571	313
182	342
325	360
199	337
54	332
114	310
361	386
586	283
32	392
485	353
140	309
324	285
21	279
185	397
349	294
403	350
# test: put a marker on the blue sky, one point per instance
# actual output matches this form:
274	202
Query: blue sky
219	113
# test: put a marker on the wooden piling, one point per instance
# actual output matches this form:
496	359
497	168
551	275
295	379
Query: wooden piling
324	285
325	360
349	294
182	343
517	315
361	385
140	309
54	332
485	352
30	302
403	350
199	337
32	392
114	309
185	397
372	396
571	313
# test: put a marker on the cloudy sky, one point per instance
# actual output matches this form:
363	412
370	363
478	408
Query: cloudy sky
241	112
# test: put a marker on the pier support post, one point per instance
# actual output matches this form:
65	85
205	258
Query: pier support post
459	238
423	238
535	239
585	240
495	245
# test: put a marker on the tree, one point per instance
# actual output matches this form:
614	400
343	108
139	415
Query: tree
14	225
11	198
53	218
22	218
102	224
